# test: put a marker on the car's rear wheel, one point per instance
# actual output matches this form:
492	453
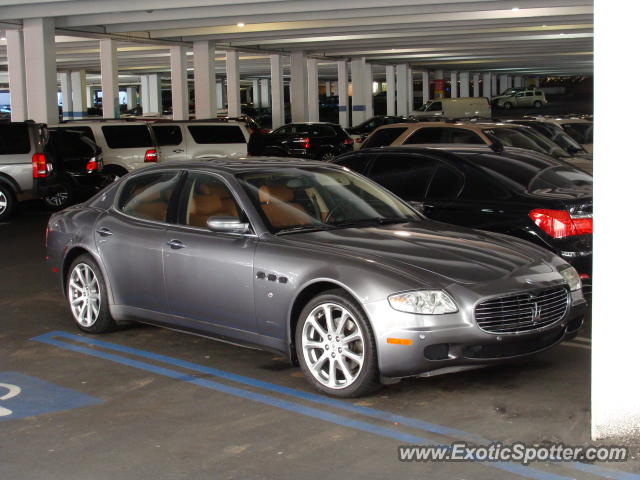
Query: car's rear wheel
7	202
507	105
87	296
327	156
62	198
335	346
537	104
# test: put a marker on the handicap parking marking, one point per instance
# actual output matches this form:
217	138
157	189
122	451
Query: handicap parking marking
25	396
395	419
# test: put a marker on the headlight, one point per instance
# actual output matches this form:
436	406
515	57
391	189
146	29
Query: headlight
571	276
424	302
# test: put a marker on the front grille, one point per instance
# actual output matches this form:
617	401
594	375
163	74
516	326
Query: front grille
523	312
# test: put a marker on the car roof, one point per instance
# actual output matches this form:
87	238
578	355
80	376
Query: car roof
475	126
243	164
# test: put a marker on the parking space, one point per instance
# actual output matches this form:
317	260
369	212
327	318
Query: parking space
164	404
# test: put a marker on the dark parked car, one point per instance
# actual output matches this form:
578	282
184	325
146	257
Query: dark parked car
556	134
76	172
514	191
321	141
313	261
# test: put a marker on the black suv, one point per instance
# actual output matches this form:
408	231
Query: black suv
321	141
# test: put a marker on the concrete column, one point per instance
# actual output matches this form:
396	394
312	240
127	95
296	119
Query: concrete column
358	94
298	88
410	89
476	84
368	90
402	84
494	85
313	105
132	100
78	89
426	87
144	93
66	95
233	84
265	93
327	88
204	79
255	92
17	79
179	85
151	94
391	90
486	84
438	79
509	81
89	95
277	91
454	84
220	95
343	93
464	84
109	74
40	69
536	82
518	81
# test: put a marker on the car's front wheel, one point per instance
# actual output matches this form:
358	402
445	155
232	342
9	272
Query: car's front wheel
537	104
507	105
87	296
7	202
335	346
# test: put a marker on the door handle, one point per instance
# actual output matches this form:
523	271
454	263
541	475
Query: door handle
104	232
176	244
178	150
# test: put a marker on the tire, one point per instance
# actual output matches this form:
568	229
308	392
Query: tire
537	104
318	347
507	105
80	284
112	173
326	156
7	202
61	199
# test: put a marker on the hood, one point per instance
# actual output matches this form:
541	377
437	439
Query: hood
445	252
499	97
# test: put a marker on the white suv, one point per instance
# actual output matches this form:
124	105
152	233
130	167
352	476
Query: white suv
193	139
126	144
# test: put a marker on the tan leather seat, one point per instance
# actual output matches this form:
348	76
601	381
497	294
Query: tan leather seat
211	200
149	205
277	205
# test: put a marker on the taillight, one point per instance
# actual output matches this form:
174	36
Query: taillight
151	155
303	141
39	164
348	141
359	140
92	165
560	223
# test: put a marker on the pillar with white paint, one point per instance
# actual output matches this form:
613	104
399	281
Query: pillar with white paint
402	84
65	95
40	69
298	88
233	84
132	94
109	76
426	87
78	97
265	93
464	84
486	84
343	93
476	84
454	84
277	91
391	89
358	89
204	79
368	90
179	85
313	102
17	79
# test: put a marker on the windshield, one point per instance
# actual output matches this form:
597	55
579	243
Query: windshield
524	137
534	175
319	198
580	132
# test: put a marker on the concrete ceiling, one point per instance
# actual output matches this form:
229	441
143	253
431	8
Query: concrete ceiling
515	36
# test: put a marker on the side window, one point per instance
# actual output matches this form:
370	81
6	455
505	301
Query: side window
206	196
286	130
216	134
479	187
528	94
14	139
86	131
148	196
383	137
127	136
518	95
356	163
405	175
435	107
167	135
427	135
446	184
460	135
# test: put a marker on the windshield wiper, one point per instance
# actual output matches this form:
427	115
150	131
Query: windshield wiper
305	228
373	221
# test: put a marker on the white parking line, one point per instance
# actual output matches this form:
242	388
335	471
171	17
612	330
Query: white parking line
578	345
583	339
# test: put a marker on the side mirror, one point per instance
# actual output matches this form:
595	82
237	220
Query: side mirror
227	225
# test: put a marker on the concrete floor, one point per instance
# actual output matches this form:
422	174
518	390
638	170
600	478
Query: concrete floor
194	421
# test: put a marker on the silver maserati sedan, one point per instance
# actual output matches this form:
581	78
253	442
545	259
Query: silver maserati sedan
312	261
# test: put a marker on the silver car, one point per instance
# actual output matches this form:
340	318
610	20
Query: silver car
312	261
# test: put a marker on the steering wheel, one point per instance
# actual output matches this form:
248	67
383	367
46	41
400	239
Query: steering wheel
333	210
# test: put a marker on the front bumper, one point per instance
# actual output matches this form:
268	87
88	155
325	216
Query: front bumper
455	342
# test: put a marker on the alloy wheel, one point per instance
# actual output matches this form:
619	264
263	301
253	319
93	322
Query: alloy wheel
84	295
57	199
4	201
333	345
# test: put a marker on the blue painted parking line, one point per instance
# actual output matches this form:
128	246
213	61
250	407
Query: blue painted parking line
25	396
528	472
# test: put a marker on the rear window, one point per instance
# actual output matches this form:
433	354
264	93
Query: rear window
534	176
581	132
127	136
384	137
14	139
167	135
71	146
217	134
316	130
426	135
86	131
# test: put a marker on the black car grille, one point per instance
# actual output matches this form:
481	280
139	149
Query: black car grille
523	312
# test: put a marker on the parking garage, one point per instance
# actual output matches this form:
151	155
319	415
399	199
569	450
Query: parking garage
128	123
